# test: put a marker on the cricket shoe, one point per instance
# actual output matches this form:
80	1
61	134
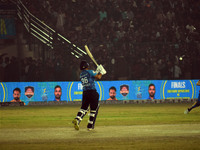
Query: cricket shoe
186	111
76	125
90	127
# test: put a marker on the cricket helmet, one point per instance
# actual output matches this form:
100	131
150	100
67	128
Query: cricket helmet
84	65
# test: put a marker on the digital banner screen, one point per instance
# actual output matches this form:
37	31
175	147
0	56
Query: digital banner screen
125	90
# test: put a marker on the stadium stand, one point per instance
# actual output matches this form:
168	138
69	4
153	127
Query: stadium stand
134	40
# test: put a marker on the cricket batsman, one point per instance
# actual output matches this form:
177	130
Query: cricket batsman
196	104
90	96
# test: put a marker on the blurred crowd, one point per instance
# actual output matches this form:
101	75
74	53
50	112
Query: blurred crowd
29	69
133	39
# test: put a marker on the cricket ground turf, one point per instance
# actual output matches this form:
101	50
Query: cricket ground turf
119	126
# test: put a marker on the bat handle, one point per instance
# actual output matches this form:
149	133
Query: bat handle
96	64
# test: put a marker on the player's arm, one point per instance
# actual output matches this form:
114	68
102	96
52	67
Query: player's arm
98	76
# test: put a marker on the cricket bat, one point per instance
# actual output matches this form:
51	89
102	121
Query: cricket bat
90	55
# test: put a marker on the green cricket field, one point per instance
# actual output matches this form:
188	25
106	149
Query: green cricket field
118	126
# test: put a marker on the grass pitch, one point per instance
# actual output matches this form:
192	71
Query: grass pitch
124	126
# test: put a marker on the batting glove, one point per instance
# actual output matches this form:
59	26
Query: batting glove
102	70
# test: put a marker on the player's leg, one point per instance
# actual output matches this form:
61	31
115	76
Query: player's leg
91	119
82	112
196	104
95	116
93	110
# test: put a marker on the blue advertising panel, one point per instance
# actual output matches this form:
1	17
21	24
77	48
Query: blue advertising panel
7	28
125	90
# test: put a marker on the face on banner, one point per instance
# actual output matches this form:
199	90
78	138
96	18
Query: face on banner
112	93
16	95
29	91
152	91
124	90
58	93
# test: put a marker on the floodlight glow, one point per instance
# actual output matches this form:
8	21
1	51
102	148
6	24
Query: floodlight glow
39	38
64	38
81	50
78	53
41	26
42	31
41	35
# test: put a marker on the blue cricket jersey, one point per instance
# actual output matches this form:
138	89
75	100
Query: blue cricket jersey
87	78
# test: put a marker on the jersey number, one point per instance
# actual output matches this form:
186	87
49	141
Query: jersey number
84	80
